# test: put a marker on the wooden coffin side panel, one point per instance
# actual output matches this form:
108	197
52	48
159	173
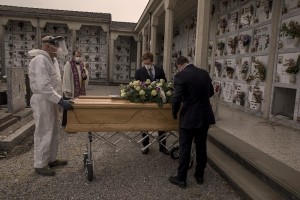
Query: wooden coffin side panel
120	119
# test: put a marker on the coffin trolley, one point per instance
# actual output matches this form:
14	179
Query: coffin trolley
103	117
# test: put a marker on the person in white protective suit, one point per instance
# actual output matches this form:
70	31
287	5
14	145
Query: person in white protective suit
46	86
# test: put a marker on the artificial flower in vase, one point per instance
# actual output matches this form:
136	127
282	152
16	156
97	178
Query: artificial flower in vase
292	69
292	30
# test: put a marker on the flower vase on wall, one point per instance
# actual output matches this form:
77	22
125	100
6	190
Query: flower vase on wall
296	41
292	78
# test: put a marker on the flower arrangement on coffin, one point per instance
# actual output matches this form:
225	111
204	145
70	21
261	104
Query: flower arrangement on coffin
233	43
159	92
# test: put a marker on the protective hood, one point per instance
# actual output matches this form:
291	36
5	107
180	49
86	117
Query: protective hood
35	52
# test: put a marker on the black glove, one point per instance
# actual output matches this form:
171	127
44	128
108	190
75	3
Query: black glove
65	104
174	116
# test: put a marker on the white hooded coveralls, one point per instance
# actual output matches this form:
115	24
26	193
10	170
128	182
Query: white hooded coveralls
45	84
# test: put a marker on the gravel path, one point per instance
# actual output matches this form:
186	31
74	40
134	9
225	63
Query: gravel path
118	175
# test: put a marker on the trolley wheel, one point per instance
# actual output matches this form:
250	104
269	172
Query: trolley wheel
191	163
85	157
174	153
90	171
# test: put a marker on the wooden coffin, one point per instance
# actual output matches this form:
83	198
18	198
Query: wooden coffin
107	114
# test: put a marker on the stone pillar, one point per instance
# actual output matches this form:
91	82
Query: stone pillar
16	89
39	35
144	34
106	29
113	37
73	39
153	42
2	50
168	35
138	56
267	102
74	27
202	34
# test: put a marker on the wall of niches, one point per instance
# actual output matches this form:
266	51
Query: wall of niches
20	37
238	51
92	42
288	62
184	36
122	59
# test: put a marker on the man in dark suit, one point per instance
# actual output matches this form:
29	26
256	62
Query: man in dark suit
192	90
152	72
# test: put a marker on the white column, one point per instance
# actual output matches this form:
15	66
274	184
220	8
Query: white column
111	58
153	42
267	102
144	34
113	37
138	56
202	34
168	36
73	26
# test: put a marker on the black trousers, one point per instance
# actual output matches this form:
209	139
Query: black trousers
161	134
186	137
64	117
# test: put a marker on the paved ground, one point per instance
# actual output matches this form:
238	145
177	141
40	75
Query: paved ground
118	175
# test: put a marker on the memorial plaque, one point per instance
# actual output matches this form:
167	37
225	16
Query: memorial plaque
247	15
263	11
228	91
261	39
283	62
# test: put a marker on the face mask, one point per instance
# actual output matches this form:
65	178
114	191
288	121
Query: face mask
148	66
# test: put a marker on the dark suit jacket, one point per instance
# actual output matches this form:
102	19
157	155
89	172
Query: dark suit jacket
192	90
142	74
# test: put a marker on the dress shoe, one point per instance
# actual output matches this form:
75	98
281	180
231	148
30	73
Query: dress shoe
174	180
45	171
57	163
199	180
145	151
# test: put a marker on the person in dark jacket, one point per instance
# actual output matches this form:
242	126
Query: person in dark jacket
192	90
151	72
